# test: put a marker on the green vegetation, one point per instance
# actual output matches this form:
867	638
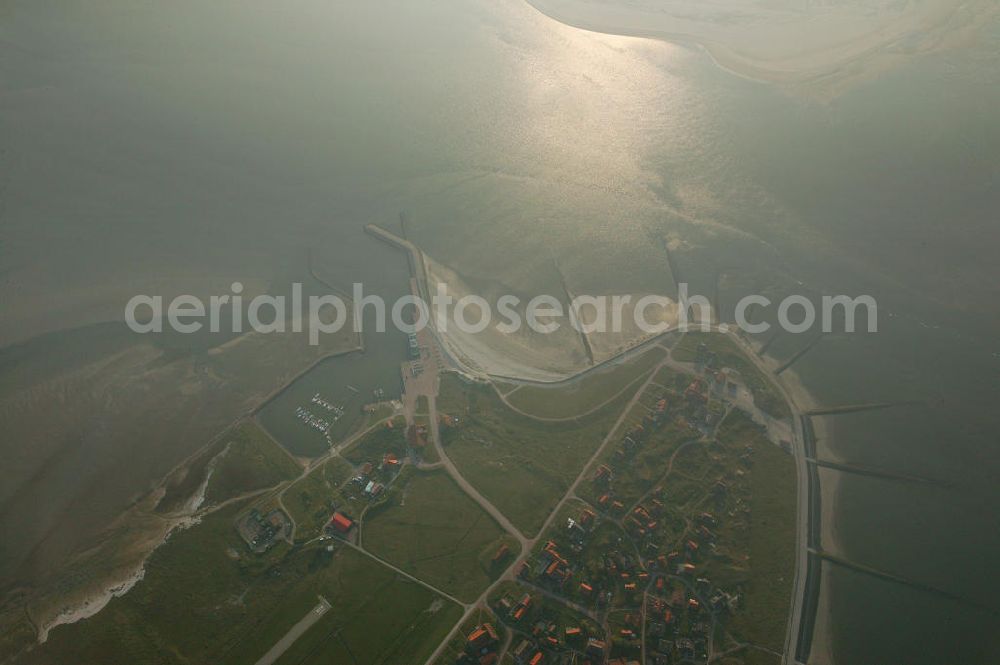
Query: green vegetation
766	395
453	394
377	617
388	438
422	406
523	466
251	461
434	531
752	656
16	631
768	585
727	506
588	559
380	412
671	378
312	499
638	472
429	454
243	460
205	599
646	469
587	393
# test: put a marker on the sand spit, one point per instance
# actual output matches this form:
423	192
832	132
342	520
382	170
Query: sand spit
819	49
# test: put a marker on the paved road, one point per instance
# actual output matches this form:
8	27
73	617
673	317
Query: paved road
465	484
566	419
526	543
802	510
795	435
296	631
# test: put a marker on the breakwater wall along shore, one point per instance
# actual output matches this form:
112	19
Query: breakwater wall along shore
811	576
418	269
413	255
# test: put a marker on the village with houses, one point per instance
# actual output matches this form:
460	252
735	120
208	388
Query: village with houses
646	559
641	513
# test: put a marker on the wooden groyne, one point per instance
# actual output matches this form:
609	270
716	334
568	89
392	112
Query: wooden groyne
767	345
569	299
857	408
675	271
799	354
899	579
874	472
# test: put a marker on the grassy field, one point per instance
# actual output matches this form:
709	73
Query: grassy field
381	440
204	599
523	466
671	378
636	475
253	461
771	537
587	393
312	499
16	631
766	395
377	617
438	534
429	454
453	395
754	657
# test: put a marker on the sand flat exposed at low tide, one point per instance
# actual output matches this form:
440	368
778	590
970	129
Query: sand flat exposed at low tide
821	47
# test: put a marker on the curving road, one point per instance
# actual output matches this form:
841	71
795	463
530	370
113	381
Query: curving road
526	543
465	484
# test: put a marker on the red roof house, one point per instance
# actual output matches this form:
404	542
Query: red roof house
341	522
